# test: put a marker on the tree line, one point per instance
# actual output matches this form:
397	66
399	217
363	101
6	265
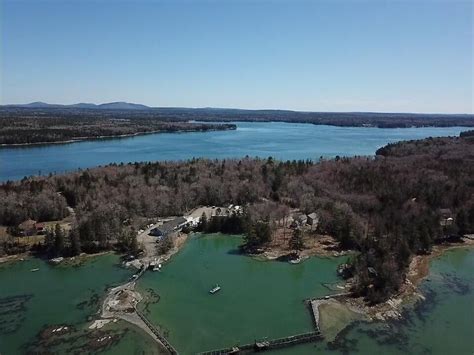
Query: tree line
18	127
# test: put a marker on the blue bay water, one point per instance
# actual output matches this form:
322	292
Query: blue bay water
263	139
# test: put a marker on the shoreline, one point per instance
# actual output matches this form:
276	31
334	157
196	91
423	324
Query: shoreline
121	302
119	136
392	308
418	270
336	313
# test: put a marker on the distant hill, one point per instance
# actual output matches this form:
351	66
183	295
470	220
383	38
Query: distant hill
122	106
105	106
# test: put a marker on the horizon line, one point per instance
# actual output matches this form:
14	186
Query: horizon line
67	106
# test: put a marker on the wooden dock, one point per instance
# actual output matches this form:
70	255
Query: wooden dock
268	344
155	331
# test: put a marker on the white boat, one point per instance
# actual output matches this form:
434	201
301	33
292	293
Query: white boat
295	261
215	289
33	270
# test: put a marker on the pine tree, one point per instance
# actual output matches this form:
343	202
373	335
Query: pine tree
49	241
75	242
203	225
296	241
58	240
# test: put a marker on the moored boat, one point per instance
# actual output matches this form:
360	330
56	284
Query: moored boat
215	289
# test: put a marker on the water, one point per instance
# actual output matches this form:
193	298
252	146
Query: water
264	299
51	296
258	299
277	139
443	324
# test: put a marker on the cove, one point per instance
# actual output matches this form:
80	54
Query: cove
442	324
256	139
258	299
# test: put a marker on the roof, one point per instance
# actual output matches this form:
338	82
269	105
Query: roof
300	218
313	215
171	225
28	224
445	211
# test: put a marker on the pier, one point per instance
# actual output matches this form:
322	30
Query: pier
314	306
268	344
156	332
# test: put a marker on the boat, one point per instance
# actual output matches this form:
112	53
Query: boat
33	270
157	267
215	289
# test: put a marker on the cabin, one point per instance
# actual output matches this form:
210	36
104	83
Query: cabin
169	227
312	219
27	227
446	217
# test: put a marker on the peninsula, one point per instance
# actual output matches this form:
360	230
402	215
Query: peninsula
31	127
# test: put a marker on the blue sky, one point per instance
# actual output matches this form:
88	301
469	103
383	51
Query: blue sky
393	56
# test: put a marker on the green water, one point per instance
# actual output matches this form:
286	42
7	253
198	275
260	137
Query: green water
258	299
51	296
443	324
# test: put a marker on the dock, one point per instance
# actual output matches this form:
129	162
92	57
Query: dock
156	332
314	306
264	345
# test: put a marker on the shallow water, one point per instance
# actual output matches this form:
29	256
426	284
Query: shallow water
53	295
277	139
443	324
258	299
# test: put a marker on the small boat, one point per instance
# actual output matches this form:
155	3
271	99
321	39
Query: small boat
157	267
215	289
33	270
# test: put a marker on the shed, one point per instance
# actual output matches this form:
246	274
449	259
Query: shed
312	219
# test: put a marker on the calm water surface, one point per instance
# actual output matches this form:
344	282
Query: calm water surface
29	301
280	140
258	299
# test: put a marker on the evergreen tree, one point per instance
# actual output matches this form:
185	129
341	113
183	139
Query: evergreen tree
58	240
49	241
134	248
75	241
296	241
203	225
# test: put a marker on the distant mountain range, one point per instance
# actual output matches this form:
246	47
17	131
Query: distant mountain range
106	106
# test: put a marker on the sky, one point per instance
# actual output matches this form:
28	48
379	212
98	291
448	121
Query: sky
354	55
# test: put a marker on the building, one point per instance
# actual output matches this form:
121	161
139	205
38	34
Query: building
446	217
168	227
40	228
27	227
312	219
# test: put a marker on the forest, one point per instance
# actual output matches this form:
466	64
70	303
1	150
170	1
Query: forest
33	127
218	115
386	207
